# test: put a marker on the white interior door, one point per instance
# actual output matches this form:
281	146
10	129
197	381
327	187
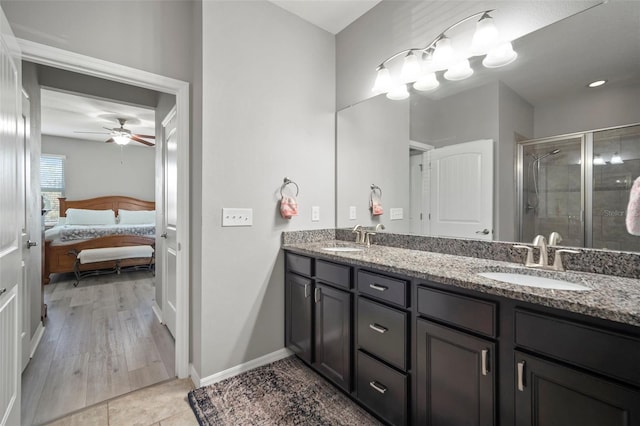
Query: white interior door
416	167
170	219
462	190
11	206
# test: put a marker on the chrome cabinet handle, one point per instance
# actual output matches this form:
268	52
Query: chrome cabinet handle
521	376
378	386
380	329
2	291
316	295
306	291
378	287
483	232
485	367
164	235
31	243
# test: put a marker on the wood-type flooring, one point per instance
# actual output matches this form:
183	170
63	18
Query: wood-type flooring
101	340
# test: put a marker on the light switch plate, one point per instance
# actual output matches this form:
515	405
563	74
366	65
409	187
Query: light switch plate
237	217
396	213
315	213
352	213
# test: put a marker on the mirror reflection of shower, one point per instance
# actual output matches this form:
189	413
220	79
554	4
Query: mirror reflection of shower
534	175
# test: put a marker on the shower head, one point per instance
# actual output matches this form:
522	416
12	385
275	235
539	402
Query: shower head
552	152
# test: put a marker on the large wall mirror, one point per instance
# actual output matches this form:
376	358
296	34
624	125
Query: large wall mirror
562	156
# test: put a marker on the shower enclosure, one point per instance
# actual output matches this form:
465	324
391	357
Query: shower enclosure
578	185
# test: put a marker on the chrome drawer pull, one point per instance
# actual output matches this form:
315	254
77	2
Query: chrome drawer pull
306	291
485	367
521	376
380	329
378	386
378	287
2	291
316	295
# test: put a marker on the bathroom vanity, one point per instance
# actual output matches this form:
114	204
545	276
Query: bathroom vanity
419	337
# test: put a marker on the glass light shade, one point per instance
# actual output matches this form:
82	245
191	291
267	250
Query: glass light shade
485	37
598	161
383	81
426	82
499	56
410	69
121	140
459	71
616	159
443	54
398	93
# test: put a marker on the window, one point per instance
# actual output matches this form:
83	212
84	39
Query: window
51	185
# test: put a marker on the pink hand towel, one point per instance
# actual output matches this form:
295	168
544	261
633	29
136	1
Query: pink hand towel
633	209
288	207
375	204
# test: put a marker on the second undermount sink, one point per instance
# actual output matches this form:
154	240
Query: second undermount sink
344	249
534	281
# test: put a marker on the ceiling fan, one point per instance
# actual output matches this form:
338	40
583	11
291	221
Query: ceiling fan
123	136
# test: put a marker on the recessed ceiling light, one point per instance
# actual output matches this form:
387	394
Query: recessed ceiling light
597	83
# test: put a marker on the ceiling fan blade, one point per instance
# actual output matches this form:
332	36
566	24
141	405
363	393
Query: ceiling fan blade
144	136
110	140
137	139
97	133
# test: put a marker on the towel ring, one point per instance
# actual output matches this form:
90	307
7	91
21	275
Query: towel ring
375	188
288	181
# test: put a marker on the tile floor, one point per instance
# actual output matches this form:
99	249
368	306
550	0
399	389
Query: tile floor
164	404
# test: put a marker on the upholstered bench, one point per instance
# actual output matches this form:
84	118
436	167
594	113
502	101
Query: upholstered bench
116	254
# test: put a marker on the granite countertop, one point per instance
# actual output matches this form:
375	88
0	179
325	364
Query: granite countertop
611	298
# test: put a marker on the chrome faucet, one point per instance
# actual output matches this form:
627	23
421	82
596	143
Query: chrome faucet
359	234
543	261
379	227
555	238
540	242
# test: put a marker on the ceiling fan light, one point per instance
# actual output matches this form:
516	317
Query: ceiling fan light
459	71
499	56
121	139
410	69
398	93
485	36
427	82
383	81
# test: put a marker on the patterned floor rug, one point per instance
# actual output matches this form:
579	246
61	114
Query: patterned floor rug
285	392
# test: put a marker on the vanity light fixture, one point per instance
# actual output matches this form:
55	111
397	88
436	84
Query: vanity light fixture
616	159
596	83
598	160
421	64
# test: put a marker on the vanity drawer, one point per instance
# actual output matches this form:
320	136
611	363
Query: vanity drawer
596	349
299	264
382	331
382	389
333	273
466	312
384	288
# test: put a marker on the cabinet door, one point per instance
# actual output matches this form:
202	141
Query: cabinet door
298	304
333	334
551	394
455	377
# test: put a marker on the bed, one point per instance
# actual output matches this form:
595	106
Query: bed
61	242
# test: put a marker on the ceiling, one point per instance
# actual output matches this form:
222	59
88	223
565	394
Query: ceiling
65	114
332	16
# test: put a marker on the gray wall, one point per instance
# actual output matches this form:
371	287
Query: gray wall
95	169
373	148
269	103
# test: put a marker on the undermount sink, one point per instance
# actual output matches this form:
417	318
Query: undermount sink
342	249
533	281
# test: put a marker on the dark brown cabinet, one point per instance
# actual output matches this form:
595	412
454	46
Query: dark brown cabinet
552	394
298	317
455	377
333	334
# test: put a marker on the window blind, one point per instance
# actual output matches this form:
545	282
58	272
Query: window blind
52	184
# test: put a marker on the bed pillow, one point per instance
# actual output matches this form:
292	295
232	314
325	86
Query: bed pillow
136	217
90	217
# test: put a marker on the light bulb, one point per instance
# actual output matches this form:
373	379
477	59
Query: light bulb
398	93
383	81
616	159
459	71
410	68
598	161
121	139
443	54
485	37
426	82
499	56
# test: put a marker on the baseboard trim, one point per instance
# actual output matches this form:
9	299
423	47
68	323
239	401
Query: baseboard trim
35	340
241	368
156	310
195	377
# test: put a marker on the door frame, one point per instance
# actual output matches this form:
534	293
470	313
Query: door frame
71	61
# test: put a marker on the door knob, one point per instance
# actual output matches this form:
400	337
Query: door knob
483	232
2	291
164	235
31	243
